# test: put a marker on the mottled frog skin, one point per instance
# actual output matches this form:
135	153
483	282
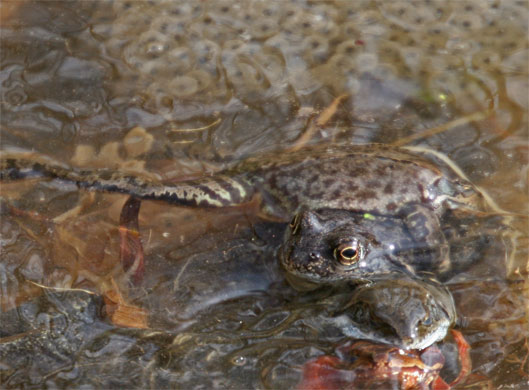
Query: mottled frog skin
380	180
371	177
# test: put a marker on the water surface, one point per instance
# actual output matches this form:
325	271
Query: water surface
175	89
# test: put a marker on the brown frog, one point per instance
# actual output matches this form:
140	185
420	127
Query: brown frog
329	245
409	312
375	179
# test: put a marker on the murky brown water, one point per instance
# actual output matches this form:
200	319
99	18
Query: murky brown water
180	88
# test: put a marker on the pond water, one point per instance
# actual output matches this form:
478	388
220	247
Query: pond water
175	89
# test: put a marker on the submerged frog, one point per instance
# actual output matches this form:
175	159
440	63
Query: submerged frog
329	245
375	179
370	177
409	313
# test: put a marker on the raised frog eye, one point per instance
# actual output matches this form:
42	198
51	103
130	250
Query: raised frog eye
348	253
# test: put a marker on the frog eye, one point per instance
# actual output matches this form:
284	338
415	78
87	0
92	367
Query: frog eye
347	254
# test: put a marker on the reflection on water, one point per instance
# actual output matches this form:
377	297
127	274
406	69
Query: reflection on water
173	89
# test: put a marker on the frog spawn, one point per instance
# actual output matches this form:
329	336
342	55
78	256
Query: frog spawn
161	40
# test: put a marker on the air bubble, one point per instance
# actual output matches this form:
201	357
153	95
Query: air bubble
325	13
449	83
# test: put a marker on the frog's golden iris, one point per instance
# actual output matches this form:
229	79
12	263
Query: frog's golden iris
347	254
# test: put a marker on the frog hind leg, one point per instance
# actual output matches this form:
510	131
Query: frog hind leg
212	191
215	191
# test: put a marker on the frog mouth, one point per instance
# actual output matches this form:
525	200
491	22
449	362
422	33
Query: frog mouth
301	283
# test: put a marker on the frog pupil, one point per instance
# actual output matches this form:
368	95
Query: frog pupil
348	253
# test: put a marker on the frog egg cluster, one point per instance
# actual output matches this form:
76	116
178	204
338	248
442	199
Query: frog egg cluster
255	49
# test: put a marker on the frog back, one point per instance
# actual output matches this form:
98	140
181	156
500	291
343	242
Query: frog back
371	177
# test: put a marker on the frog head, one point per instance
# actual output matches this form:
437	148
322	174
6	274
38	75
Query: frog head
327	246
411	313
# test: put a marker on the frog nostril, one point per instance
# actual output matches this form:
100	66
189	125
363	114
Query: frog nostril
313	255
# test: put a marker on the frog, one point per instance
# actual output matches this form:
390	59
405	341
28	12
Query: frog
403	311
376	179
407	312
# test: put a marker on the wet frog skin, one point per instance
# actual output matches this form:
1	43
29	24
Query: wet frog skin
371	177
409	313
375	179
327	246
